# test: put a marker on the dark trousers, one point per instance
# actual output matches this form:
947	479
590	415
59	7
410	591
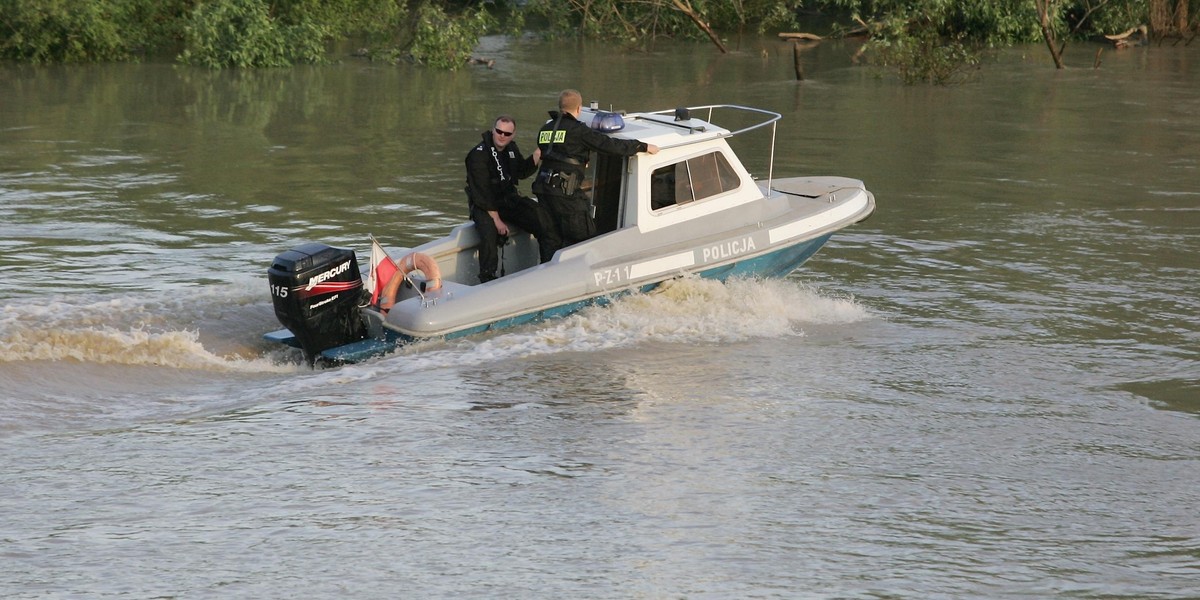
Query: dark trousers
523	212
573	216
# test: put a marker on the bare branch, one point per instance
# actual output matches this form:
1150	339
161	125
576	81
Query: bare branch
685	7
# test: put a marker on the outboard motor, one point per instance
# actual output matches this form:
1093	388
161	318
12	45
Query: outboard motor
316	290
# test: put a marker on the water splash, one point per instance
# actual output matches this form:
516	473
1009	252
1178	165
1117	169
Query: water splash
207	330
154	329
683	311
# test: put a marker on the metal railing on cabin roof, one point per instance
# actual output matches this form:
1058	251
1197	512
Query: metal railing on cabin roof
770	118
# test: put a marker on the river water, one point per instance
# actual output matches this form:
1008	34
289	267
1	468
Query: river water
990	389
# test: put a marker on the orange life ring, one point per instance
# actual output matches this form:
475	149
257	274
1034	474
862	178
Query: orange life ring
424	263
414	261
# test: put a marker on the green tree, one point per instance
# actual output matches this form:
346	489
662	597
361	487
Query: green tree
249	33
65	31
445	41
235	33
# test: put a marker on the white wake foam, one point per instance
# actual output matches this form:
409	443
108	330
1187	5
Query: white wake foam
161	329
688	311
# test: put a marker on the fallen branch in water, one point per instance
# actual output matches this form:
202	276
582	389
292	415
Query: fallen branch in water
801	36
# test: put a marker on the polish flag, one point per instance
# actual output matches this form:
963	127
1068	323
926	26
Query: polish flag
382	269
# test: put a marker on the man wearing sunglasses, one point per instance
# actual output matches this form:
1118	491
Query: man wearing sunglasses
493	168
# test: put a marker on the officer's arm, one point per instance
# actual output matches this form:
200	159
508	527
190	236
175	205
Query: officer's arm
524	166
611	145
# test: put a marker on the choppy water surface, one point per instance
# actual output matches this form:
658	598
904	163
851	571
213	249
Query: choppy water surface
989	390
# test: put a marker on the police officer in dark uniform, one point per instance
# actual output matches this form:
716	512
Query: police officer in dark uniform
493	168
565	143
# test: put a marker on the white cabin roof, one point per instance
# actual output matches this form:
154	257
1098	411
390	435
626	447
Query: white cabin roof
662	130
665	130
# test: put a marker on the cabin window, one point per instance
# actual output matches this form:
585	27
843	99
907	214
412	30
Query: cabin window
694	179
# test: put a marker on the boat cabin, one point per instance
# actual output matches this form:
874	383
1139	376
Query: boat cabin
694	167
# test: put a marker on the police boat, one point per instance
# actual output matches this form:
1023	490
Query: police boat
690	209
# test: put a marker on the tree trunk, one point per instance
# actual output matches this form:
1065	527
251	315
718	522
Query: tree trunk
1159	19
796	61
1167	21
1044	8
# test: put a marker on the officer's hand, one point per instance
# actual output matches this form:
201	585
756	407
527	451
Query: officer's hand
537	156
651	148
501	227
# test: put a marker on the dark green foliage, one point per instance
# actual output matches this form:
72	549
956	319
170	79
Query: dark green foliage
938	47
999	22
242	33
926	57
1112	17
53	31
446	41
921	36
49	32
380	23
937	41
234	33
636	23
238	33
996	22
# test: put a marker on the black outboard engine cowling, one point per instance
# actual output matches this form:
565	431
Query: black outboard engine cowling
316	290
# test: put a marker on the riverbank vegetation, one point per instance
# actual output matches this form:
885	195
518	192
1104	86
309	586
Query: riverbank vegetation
926	40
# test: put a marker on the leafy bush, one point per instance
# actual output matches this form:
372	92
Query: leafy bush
69	31
233	33
243	33
926	58
41	31
446	42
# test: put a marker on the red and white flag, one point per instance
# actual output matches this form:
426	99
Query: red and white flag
382	269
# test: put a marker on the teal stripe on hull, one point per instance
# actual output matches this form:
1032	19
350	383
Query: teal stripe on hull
772	265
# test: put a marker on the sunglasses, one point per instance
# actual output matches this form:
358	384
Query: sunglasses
504	133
